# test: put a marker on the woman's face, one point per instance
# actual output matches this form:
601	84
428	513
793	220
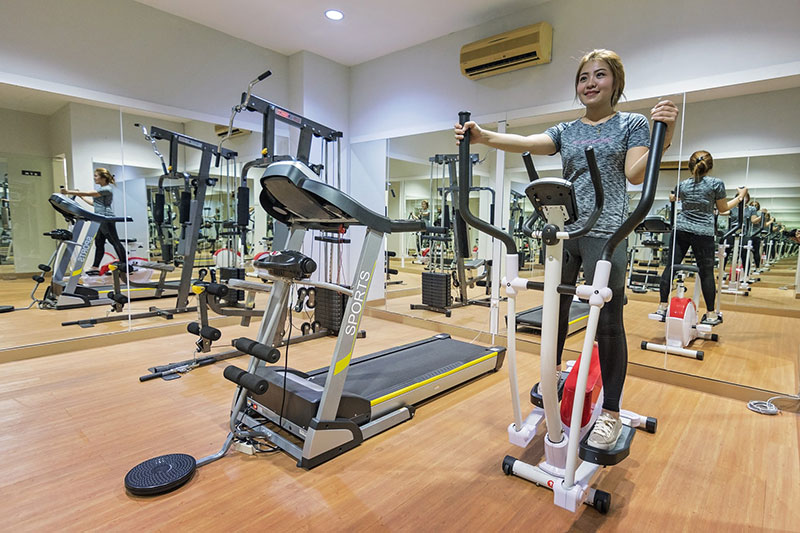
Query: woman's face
595	84
98	179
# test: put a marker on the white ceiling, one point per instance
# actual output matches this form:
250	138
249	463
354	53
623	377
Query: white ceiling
370	29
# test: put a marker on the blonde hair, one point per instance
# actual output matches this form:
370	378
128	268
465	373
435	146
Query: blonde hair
105	174
700	164
612	59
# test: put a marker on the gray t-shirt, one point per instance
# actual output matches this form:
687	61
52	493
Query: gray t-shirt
611	141
103	203
698	201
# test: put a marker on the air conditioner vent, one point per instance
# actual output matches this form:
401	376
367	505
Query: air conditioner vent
512	50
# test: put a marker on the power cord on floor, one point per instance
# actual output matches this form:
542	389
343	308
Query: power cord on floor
768	408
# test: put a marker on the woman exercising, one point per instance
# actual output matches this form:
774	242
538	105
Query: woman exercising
102	200
620	142
694	228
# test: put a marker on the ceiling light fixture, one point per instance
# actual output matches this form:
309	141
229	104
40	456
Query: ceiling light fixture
334	14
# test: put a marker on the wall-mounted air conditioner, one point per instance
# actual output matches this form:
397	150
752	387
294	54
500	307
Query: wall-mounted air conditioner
512	50
222	131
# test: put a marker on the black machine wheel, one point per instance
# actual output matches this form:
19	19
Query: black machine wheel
508	465
714	337
160	474
644	345
651	424
602	501
700	355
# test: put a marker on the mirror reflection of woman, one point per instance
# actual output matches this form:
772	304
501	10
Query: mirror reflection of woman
694	228
102	201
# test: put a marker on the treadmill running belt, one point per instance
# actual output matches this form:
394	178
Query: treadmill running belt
375	377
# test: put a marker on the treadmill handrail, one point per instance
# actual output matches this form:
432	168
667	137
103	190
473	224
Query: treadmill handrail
71	209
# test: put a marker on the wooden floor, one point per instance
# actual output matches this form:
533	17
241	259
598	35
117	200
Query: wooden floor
72	425
14	330
754	349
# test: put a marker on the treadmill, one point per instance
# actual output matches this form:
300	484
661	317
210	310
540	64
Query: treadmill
65	292
532	318
333	409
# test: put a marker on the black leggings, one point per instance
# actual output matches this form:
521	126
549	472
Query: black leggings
611	341
703	248
107	232
756	243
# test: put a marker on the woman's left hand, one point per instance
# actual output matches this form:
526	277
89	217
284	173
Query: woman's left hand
667	112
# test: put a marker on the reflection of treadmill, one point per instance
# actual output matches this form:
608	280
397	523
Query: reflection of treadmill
645	276
64	291
532	318
332	410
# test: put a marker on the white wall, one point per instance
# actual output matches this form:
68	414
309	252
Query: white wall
24	133
368	169
667	47
126	53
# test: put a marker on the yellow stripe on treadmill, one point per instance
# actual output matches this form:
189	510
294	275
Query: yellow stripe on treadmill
132	289
397	393
344	362
578	319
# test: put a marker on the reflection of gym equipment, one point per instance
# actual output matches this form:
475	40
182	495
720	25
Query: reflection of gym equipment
391	271
62	237
64	291
682	321
191	218
318	415
736	284
532	318
436	284
643	276
562	471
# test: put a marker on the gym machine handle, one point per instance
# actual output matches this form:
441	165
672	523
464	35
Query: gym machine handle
528	160
245	379
594	172
648	190
464	164
257	350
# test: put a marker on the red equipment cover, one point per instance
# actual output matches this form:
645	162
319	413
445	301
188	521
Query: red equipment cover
677	307
594	385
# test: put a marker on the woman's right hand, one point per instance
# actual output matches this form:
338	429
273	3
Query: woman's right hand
742	192
476	134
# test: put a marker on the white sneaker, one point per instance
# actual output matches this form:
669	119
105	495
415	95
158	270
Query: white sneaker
606	432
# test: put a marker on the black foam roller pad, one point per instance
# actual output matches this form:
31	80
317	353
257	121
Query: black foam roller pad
256	349
212	334
217	289
249	381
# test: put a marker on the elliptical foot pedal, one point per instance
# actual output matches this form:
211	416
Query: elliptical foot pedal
160	474
615	455
536	396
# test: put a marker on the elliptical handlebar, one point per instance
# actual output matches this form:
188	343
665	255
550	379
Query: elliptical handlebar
648	191
594	172
528	160
464	164
599	198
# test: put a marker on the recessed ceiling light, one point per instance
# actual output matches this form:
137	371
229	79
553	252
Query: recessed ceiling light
334	14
